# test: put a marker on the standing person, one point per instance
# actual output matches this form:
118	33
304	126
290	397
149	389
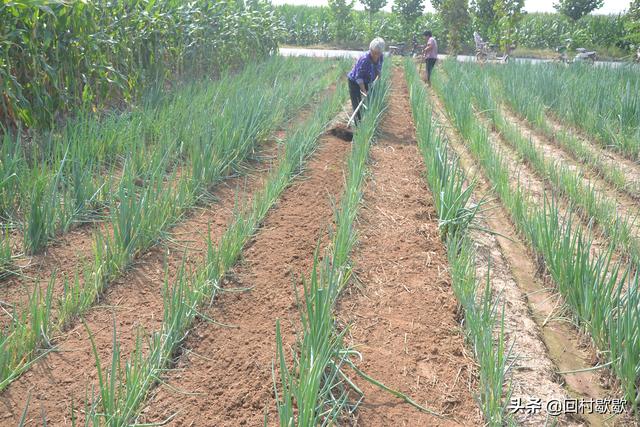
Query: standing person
366	70
430	54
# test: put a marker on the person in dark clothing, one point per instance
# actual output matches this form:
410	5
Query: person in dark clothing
366	70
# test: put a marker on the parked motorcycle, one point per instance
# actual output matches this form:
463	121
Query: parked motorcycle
585	55
486	52
403	50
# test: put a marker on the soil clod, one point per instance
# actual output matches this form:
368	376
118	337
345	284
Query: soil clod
342	132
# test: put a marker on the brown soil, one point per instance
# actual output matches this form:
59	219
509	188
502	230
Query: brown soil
404	316
342	132
542	342
224	377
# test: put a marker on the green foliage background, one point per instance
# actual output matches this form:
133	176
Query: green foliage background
306	25
58	55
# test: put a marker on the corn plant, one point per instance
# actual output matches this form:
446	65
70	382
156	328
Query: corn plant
92	55
119	403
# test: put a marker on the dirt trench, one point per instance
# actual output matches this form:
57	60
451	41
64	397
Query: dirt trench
224	377
402	311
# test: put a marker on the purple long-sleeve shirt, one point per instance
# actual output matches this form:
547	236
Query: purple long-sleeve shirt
365	71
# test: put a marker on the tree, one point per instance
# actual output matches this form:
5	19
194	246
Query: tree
455	17
576	9
341	18
409	11
484	18
372	7
508	14
632	23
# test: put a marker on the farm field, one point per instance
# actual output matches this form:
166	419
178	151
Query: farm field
187	247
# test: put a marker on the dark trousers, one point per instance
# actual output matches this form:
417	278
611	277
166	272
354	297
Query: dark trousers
356	97
431	62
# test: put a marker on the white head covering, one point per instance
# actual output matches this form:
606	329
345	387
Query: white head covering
377	44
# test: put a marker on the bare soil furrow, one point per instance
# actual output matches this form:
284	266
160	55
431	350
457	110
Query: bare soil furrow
403	317
224	376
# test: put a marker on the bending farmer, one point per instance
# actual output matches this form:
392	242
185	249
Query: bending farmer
366	70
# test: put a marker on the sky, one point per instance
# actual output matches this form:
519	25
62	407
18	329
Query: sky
610	6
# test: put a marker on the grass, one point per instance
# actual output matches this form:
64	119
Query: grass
457	214
118	405
314	390
139	217
601	295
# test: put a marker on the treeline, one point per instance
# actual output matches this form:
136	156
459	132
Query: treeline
454	24
58	56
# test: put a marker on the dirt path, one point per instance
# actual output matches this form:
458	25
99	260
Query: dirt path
224	378
404	314
542	342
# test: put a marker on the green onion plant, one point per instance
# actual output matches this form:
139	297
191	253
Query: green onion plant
601	294
119	404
